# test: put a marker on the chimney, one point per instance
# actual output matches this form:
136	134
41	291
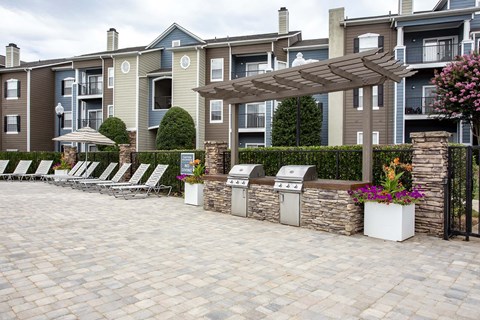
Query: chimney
12	57
283	21
112	39
405	7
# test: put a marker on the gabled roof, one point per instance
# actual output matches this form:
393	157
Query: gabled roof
36	64
261	36
123	50
170	29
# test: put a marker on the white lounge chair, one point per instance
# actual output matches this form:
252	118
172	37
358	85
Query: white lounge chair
135	179
128	192
88	184
20	170
104	176
51	177
59	179
3	165
42	169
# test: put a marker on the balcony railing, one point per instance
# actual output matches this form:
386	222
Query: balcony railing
419	106
90	88
243	74
432	53
253	120
162	102
92	123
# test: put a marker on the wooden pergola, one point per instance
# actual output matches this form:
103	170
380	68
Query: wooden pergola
360	70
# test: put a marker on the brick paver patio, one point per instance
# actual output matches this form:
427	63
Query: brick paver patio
65	254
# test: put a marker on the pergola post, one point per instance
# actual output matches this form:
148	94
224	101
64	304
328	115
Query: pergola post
234	134
367	148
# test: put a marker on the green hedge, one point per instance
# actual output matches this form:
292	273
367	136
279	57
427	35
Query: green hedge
36	157
172	158
104	157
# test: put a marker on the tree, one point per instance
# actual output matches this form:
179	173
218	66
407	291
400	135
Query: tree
458	91
115	129
285	118
176	130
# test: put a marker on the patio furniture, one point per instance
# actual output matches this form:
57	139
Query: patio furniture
3	165
21	169
77	173
87	174
128	192
42	169
135	179
104	176
51	177
89	183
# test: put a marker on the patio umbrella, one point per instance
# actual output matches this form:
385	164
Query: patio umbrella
85	135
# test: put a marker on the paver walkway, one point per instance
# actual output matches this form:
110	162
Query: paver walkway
65	254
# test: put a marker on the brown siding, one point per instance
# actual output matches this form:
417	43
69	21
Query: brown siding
107	92
87	63
279	52
15	107
253	48
42	110
382	118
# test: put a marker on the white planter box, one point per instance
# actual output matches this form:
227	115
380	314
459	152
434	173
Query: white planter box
389	222
194	194
60	173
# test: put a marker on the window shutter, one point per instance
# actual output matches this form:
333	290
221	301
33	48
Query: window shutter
18	90
380	43
5	89
18	123
356	45
63	87
355	98
380	95
5	124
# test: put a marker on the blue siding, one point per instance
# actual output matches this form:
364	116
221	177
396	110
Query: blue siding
399	112
239	64
65	101
467	48
254	137
166	42
268	123
318	54
461	4
414	41
323	98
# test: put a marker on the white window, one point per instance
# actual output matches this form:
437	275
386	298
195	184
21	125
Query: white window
12	91
110	77
175	43
216	69
374	98
281	65
67	120
256	68
111	111
11	124
125	67
67	86
375	137
255	115
439	49
254	145
216	111
368	41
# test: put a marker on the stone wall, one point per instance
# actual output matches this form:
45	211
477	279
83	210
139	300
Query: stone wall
263	203
214	156
216	196
430	165
125	156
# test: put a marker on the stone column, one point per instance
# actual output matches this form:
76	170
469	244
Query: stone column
125	156
70	155
430	161
214	156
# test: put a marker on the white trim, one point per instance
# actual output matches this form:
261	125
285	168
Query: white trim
12	132
197	102
112	69
125	63
258	67
252	144
211	69
108	110
187	59
374	134
71	120
360	99
153	91
403	111
94	110
454	41
176	43
210	112
154	127
168	30
12	80
137	106
29	81
71	87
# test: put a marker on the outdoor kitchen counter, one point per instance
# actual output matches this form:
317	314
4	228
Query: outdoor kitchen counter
317	184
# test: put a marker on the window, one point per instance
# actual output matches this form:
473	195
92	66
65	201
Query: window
256	68
439	49
67	86
67	120
94	84
281	65
216	69
12	89
175	43
185	62
255	113
125	67
377	97
11	124
110	77
111	111
216	111
375	137
254	145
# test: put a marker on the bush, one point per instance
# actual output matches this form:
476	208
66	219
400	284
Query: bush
36	157
115	129
284	126
176	131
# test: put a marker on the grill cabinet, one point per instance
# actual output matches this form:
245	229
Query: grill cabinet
239	179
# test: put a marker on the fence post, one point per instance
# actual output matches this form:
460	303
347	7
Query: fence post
430	171
214	156
124	156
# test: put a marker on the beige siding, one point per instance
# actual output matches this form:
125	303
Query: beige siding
125	91
42	107
201	100
107	92
15	107
87	63
382	118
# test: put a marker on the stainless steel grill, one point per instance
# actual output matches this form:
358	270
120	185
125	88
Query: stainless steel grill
239	179
289	184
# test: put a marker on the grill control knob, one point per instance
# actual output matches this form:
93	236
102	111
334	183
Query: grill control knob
280	185
243	182
237	182
288	185
296	186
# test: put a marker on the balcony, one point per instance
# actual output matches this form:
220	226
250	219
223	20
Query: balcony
418	106
92	88
92	123
243	74
441	52
162	102
252	121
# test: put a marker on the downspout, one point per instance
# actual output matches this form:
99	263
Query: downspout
229	105
103	86
137	106
197	102
28	71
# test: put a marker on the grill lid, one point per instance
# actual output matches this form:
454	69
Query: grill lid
247	171
297	173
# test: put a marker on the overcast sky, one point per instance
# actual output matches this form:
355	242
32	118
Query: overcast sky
46	29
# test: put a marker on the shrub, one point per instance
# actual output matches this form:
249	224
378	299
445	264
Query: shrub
176	131
115	129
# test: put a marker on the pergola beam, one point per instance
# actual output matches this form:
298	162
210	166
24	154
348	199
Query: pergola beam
245	89
380	70
266	86
314	78
289	83
345	74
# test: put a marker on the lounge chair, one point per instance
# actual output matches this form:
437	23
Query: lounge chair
87	174
104	176
42	169
128	192
51	177
88	184
59	179
135	179
20	170
3	165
